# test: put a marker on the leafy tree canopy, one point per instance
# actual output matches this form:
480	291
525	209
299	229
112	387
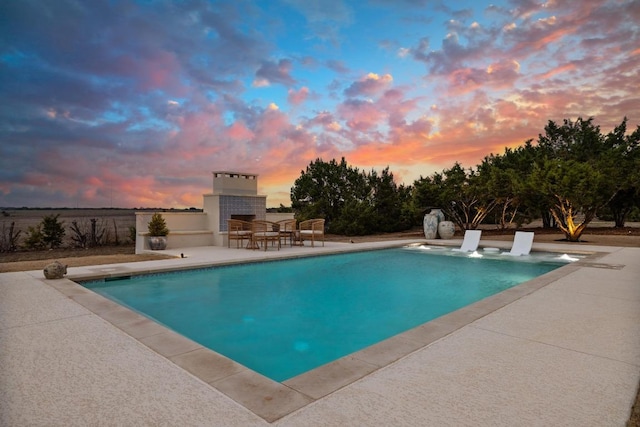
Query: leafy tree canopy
351	201
570	174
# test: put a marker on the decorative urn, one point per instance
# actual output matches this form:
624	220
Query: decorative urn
430	226
158	232
446	229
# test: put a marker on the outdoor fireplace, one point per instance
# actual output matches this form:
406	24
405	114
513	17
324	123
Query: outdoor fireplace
235	196
247	218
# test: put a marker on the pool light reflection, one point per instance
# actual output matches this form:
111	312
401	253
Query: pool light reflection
566	257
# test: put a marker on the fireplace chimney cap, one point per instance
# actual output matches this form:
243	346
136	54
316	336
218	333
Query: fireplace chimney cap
235	183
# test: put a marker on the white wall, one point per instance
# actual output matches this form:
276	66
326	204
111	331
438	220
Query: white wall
191	229
186	229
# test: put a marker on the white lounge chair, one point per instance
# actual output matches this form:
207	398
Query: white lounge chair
522	242
471	241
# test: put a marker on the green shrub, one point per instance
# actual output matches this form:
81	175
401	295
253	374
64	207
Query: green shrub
52	231
158	226
34	239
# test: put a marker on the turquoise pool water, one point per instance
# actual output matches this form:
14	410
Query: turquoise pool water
283	318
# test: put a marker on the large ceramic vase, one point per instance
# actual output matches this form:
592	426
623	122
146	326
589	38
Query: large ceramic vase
157	243
446	229
430	225
438	212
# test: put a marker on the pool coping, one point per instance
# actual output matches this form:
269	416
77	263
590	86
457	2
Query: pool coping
273	400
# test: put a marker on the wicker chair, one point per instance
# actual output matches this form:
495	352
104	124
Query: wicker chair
287	230
264	231
239	231
312	229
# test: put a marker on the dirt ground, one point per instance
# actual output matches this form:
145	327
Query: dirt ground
37	260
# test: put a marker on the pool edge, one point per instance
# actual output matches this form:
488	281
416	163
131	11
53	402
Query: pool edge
272	400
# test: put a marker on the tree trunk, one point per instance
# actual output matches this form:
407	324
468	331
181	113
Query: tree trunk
548	220
564	215
619	217
506	211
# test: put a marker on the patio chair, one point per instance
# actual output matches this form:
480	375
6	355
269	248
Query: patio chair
522	242
239	231
287	230
470	242
264	232
312	229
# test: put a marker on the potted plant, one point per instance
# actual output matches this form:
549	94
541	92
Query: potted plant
158	232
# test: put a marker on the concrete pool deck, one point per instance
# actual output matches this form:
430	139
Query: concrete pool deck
563	349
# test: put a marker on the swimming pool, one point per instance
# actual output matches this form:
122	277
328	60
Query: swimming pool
283	318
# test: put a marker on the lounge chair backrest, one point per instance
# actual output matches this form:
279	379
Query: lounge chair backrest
238	225
262	226
313	230
522	242
239	231
471	240
316	225
264	232
287	225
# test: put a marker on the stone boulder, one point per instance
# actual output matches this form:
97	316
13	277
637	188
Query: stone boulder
55	270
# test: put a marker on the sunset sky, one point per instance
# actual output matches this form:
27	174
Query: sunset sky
108	103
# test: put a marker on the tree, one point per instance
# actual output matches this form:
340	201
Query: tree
504	185
584	170
502	182
52	231
580	141
573	188
623	166
426	193
506	178
357	218
351	202
463	198
387	201
324	189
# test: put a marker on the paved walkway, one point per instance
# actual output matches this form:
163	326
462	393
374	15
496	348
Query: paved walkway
562	353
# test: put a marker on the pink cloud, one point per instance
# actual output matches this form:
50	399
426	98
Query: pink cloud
94	181
297	98
369	85
500	75
361	115
156	70
239	131
326	121
558	70
560	20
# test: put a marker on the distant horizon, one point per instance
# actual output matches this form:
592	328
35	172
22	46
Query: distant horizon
105	208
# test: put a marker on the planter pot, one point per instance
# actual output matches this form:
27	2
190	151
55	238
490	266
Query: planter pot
157	243
430	226
438	213
446	229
